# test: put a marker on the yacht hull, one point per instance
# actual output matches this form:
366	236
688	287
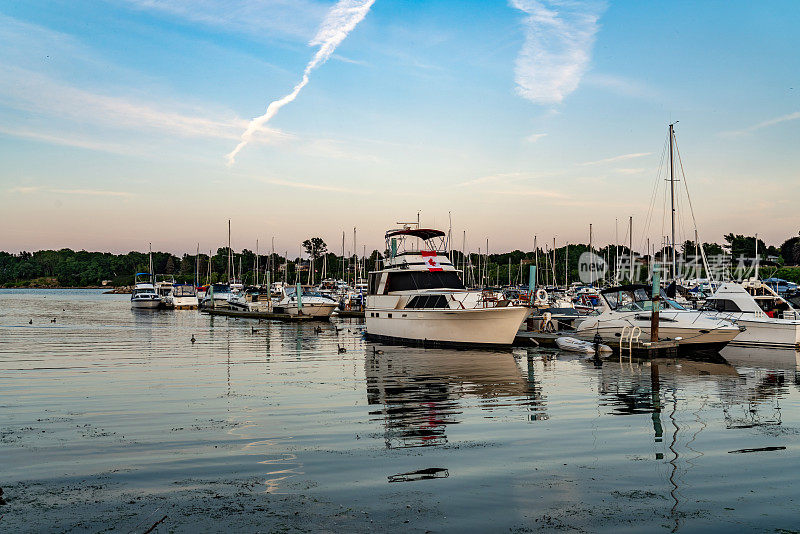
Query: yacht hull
692	339
480	327
773	333
310	309
146	304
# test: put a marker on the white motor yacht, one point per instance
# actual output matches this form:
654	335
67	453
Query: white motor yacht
305	302
419	298
630	306
183	297
144	293
769	320
217	296
254	299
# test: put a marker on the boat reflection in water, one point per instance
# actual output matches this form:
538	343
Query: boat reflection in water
665	388
418	393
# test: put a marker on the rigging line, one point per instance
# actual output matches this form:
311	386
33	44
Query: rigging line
653	197
691	210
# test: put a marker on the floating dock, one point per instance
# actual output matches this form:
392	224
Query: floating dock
350	314
269	316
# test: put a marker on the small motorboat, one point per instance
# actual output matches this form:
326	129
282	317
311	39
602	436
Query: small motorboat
573	344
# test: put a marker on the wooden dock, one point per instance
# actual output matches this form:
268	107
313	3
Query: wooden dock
350	314
264	316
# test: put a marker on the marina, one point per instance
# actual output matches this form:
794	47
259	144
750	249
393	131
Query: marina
361	266
279	429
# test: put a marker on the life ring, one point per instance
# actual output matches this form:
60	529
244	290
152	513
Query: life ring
541	295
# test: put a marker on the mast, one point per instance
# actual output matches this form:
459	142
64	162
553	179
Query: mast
757	257
616	250
229	251
591	260
197	266
566	265
630	245
536	255
672	197
555	281
256	262
152	276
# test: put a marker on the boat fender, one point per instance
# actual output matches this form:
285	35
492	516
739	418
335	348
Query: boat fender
547	322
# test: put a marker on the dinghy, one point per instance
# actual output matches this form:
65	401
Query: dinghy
572	344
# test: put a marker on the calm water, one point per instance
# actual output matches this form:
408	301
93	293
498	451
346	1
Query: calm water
111	419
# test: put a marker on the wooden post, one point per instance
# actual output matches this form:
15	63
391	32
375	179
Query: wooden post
656	300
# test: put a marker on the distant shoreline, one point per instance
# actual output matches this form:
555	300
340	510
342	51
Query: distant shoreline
109	290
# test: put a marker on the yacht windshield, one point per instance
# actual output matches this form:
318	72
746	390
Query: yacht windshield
638	299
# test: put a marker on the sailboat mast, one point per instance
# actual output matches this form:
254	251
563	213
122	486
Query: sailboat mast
555	281
536	263
630	245
197	267
591	259
229	251
672	198
152	276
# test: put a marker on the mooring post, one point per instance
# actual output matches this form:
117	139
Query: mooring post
656	299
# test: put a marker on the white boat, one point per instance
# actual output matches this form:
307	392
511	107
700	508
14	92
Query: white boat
144	293
311	303
769	320
217	296
183	297
572	344
629	307
255	299
164	289
419	298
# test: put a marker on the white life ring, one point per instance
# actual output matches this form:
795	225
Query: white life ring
541	295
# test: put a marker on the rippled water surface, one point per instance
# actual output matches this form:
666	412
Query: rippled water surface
112	420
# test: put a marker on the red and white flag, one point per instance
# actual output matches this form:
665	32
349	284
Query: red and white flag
431	261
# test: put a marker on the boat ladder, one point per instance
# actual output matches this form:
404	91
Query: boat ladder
633	333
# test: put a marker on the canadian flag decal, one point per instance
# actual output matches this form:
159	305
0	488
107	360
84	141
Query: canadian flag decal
431	260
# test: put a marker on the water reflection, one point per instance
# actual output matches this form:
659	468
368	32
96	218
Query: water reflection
418	393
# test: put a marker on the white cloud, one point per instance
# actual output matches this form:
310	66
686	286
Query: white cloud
623	157
559	35
316	187
26	190
257	18
340	21
535	137
765	124
620	85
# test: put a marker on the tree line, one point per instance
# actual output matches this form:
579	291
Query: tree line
69	268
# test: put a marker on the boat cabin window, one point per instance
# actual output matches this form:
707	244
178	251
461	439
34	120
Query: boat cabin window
637	299
411	280
723	305
184	291
428	301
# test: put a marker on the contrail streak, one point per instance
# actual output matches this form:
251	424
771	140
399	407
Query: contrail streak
340	21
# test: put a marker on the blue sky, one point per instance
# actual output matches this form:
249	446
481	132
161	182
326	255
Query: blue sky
519	118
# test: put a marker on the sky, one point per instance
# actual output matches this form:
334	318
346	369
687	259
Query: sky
128	122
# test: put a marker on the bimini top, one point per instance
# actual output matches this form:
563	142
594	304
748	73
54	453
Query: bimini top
142	274
422	233
629	287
